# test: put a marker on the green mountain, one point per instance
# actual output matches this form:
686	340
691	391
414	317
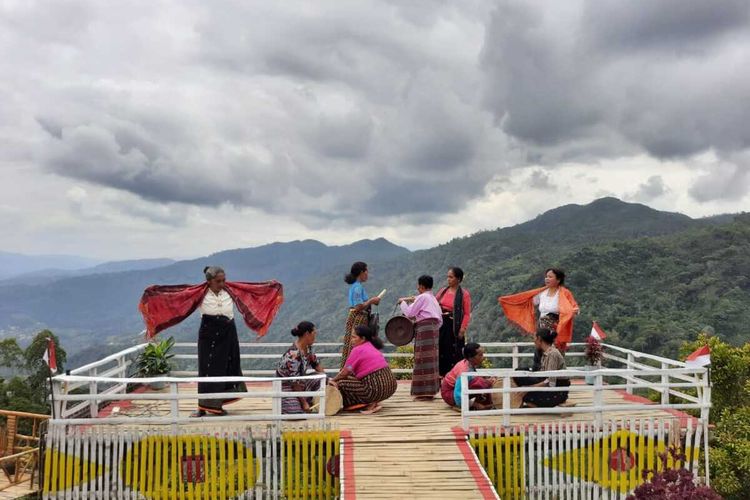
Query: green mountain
652	279
636	270
105	304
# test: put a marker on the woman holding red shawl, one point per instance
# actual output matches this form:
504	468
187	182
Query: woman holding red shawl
556	304
218	345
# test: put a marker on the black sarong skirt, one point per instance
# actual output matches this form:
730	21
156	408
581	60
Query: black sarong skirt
218	356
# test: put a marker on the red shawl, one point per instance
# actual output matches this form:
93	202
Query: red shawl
163	306
519	309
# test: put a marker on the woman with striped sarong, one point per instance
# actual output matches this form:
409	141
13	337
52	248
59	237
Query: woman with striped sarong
294	363
359	305
425	311
366	378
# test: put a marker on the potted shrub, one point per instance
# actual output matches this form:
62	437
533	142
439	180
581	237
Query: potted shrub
153	361
593	354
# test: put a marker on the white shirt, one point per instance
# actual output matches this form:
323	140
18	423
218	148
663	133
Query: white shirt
217	304
548	304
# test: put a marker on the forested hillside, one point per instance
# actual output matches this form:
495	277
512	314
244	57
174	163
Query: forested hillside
650	293
652	279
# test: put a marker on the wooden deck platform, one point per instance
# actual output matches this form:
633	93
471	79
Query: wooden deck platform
8	492
411	449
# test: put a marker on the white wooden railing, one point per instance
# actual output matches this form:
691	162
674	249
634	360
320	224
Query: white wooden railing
66	415
106	380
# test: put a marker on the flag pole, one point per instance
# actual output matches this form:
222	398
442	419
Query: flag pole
50	359
51	391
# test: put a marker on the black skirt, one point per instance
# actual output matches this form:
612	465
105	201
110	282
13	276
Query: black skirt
548	399
218	356
451	347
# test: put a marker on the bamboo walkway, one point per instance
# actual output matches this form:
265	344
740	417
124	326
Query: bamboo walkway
16	491
411	449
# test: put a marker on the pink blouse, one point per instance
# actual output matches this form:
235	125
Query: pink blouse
365	359
449	298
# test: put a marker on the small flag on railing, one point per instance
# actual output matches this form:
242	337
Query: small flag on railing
597	332
49	355
700	357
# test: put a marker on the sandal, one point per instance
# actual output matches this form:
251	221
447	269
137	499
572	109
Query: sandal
198	414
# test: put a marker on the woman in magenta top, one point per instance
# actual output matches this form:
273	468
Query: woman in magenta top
455	304
366	378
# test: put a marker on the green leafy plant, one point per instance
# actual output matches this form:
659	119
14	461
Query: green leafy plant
154	359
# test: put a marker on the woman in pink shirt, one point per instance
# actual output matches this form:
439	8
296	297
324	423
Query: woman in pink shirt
455	303
425	311
366	378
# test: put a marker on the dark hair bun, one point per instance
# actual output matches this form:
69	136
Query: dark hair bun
302	328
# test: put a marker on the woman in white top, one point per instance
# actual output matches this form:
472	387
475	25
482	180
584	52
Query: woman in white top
218	345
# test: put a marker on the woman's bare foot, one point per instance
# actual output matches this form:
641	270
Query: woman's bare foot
372	408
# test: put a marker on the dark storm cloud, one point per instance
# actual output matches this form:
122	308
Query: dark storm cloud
669	78
650	190
539	179
363	111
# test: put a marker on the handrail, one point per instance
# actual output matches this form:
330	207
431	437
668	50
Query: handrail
174	396
109	359
700	402
636	371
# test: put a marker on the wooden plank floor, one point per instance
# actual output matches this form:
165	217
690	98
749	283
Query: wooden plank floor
409	449
17	491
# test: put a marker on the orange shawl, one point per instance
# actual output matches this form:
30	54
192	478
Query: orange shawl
519	310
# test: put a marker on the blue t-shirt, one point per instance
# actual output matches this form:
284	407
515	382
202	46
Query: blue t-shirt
357	294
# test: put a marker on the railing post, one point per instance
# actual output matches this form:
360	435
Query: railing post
629	382
506	401
93	391
322	403
705	413
121	363
664	383
174	408
465	400
514	360
599	400
276	401
59	405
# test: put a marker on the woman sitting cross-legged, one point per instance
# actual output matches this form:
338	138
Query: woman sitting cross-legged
450	389
295	363
552	360
366	378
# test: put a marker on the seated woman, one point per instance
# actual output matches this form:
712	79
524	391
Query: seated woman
295	363
450	388
552	360
366	378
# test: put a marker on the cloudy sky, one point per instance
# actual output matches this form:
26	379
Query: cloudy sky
165	128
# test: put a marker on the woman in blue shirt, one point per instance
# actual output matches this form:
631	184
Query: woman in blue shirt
359	305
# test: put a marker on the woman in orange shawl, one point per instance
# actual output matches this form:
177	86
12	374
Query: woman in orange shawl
556	304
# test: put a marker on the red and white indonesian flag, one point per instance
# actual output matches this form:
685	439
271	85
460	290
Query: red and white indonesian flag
699	358
49	355
597	332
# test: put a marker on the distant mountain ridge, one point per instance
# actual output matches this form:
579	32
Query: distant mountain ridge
48	275
106	304
631	267
13	264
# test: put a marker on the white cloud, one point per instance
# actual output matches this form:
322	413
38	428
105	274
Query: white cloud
136	129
